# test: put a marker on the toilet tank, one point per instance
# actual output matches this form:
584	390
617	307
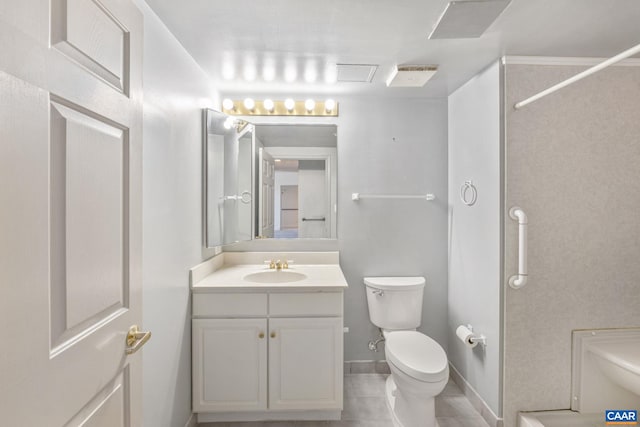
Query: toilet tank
395	302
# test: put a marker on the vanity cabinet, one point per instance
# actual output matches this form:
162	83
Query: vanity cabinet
258	355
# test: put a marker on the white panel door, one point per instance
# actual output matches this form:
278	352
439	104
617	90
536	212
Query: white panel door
305	363
70	211
267	183
229	365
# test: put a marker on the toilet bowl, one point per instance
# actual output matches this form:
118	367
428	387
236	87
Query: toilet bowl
419	372
418	364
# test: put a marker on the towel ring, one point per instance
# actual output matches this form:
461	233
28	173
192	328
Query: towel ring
464	193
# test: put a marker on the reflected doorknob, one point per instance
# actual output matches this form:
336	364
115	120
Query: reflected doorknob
136	339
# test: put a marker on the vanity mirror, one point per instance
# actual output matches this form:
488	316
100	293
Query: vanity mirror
268	180
227	179
296	181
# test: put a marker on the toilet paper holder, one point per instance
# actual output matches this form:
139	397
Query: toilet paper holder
474	338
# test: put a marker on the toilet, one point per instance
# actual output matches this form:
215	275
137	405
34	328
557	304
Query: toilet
419	366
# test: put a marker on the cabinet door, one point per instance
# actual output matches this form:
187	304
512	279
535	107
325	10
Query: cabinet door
229	365
305	363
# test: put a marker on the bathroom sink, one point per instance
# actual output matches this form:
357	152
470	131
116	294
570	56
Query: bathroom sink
275	276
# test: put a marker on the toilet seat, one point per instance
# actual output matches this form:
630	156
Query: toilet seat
417	355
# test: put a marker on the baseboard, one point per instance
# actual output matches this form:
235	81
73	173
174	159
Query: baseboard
311	415
366	367
191	422
478	403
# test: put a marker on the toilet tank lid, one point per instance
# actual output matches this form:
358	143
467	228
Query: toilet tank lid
397	283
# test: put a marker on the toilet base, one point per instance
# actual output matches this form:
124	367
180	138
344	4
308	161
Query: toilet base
390	398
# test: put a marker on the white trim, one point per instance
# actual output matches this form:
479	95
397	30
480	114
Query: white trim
561	60
476	400
191	422
329	415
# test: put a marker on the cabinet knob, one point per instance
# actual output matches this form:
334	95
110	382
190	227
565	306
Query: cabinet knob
273	334
261	335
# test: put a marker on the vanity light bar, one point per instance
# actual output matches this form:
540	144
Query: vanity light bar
328	108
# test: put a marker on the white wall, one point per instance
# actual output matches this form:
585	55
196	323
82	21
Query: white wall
572	165
392	146
475	232
175	90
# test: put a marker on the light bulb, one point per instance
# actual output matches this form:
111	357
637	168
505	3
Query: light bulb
309	105
249	104
289	104
268	105
329	105
227	104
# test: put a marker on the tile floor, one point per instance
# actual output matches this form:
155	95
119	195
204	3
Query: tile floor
365	406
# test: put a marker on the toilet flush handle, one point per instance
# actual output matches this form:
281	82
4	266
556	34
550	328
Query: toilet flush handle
378	292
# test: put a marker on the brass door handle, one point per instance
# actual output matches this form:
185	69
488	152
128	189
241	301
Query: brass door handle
136	339
273	334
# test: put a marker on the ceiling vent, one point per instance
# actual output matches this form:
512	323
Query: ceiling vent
467	19
359	73
411	75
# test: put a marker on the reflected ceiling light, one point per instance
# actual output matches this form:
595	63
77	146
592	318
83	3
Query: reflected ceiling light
250	74
310	76
227	104
289	104
277	160
309	105
290	71
329	105
310	71
268	74
228	72
268	105
249	104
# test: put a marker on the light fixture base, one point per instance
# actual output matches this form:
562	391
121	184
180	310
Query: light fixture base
279	109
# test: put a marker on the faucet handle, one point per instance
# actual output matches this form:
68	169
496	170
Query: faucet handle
286	262
272	263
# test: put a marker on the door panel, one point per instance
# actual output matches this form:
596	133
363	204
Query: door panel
89	181
109	406
70	212
85	31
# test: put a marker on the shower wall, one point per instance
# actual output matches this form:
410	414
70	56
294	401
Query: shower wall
572	164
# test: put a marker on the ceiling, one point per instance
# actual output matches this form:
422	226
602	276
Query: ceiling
291	47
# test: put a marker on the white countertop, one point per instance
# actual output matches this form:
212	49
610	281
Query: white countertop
216	274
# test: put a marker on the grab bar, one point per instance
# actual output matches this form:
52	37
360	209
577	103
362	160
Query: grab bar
314	219
519	280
